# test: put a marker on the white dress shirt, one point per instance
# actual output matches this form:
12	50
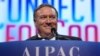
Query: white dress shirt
45	39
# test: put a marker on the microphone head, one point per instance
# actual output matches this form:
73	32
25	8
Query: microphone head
54	31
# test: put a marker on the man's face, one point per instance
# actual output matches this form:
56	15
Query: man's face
46	18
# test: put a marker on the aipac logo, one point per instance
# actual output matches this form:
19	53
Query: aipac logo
50	50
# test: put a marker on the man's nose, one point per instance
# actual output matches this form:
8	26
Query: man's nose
48	20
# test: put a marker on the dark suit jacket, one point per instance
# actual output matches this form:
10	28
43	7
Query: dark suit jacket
59	37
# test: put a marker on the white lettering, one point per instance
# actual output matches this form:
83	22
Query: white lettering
61	52
71	51
26	52
48	50
37	51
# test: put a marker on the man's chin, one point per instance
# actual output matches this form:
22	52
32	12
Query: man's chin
47	32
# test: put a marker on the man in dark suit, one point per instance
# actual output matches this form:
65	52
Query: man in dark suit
45	18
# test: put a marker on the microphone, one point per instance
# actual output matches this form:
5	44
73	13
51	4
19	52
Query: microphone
54	31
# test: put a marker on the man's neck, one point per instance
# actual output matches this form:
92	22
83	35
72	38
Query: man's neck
49	35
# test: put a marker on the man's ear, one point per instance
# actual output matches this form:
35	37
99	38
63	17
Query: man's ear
35	22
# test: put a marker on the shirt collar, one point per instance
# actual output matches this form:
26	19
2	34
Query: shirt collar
39	36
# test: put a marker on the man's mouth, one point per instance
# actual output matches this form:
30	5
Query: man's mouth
48	27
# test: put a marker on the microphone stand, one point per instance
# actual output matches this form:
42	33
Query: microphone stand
54	31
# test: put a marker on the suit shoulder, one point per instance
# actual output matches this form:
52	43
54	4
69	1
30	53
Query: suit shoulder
32	38
69	37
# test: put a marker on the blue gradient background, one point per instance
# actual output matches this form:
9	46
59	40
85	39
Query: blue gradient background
71	12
